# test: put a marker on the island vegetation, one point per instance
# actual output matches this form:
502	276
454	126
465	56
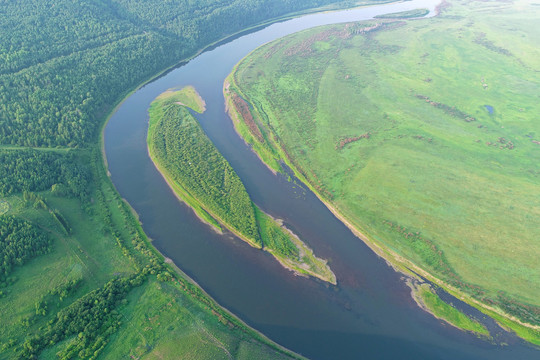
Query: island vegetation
79	277
404	14
204	179
386	121
428	299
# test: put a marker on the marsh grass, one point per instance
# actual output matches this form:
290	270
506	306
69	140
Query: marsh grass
447	312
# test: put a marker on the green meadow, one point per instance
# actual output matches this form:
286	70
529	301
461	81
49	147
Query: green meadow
423	134
96	242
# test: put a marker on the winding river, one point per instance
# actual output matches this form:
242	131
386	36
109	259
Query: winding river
369	315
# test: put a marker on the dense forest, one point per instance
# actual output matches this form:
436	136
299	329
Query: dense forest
34	170
63	66
65	63
19	241
181	147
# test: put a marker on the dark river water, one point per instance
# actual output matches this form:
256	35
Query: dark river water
369	315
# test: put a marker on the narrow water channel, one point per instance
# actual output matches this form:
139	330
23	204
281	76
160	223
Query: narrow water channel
369	315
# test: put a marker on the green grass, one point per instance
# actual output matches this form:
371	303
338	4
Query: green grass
87	254
101	246
186	96
161	321
525	332
447	312
289	250
389	126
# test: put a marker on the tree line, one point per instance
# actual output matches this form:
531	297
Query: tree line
20	241
35	170
65	63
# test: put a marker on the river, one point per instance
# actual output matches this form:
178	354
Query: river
369	315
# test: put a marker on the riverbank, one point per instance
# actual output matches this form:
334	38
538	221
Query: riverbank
258	131
425	297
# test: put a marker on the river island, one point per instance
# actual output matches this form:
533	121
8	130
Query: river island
203	179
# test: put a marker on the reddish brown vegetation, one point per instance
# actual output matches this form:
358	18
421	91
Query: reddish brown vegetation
356	29
319	186
501	143
304	48
441	7
450	110
243	109
346	141
420	137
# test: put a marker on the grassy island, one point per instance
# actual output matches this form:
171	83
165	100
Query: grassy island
405	14
427	299
422	136
202	178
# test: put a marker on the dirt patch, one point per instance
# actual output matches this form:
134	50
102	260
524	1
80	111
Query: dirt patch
502	143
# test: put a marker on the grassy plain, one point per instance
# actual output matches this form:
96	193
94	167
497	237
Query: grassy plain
423	134
98	248
203	179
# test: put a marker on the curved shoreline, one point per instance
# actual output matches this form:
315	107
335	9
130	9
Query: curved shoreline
180	274
393	259
307	263
284	261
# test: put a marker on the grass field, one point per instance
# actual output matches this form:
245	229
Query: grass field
423	134
166	317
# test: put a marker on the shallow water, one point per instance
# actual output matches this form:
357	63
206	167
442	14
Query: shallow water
370	314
